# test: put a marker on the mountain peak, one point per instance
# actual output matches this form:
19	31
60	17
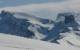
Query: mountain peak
12	25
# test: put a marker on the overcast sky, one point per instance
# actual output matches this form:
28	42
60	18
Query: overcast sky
6	3
42	8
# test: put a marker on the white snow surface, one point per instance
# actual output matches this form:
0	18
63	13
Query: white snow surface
10	42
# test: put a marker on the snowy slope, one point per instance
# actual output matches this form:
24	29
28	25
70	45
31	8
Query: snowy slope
9	42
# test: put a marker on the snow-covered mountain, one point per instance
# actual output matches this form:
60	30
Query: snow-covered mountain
23	31
40	25
30	26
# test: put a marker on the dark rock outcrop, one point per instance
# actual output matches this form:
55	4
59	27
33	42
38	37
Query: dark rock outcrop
11	25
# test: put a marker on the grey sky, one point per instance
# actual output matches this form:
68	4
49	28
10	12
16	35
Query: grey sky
5	3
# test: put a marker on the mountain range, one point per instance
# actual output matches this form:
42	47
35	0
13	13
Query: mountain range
30	26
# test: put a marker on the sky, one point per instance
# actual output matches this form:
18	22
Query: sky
42	8
6	3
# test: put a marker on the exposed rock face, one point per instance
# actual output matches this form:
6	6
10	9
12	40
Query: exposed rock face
69	20
62	24
11	25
